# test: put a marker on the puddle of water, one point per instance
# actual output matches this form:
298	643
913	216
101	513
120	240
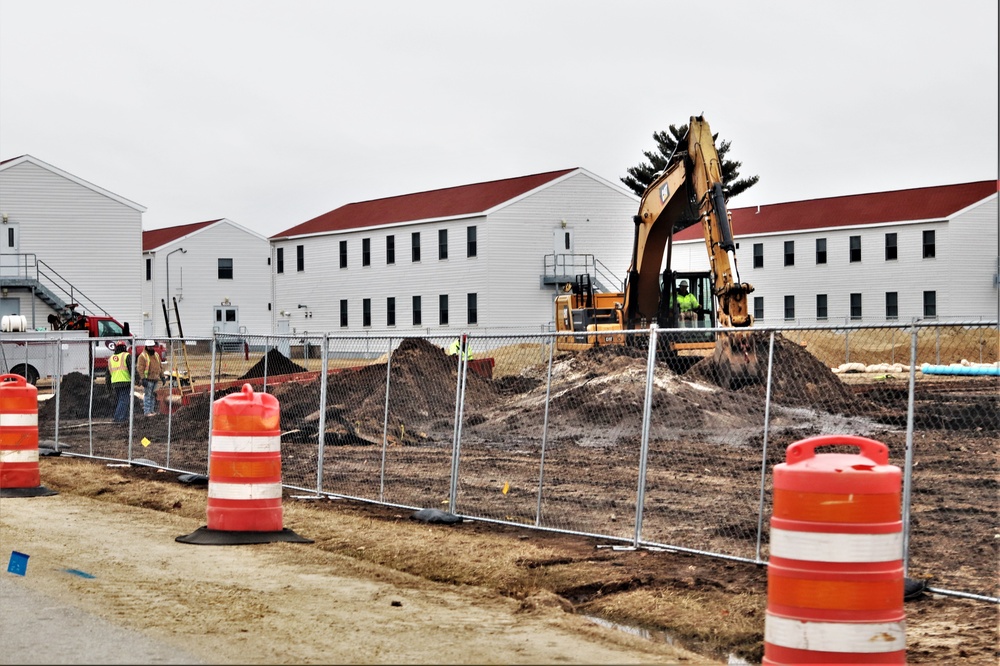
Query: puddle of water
655	635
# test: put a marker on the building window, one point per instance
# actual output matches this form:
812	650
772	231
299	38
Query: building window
821	306
366	312
390	311
855	248
470	241
443	309
415	246
891	305
758	307
442	243
820	250
929	245
300	258
390	249
149	269
890	247
417	315
930	303
279	260
472	306
789	307
758	255
343	254
225	269
789	253
343	313
856	306
366	251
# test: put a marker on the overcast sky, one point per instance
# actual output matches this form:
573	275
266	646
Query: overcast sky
271	113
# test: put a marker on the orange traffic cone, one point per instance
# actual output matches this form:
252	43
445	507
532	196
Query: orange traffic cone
19	475
244	473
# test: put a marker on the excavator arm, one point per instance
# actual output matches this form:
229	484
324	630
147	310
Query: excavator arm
690	191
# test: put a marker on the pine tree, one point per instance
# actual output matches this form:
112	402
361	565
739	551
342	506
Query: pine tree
639	177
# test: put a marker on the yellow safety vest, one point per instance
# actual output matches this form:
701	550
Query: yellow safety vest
119	369
456	348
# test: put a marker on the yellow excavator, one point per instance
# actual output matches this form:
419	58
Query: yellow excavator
689	191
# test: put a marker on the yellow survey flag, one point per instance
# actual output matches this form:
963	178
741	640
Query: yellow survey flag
145	442
506	488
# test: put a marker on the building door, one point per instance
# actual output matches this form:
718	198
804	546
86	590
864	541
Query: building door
562	247
10	306
227	319
10	242
284	345
562	241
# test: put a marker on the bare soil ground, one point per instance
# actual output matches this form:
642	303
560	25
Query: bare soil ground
377	586
703	442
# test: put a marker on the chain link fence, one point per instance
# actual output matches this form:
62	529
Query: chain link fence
646	442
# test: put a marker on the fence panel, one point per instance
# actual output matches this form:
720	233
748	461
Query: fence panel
503	434
553	439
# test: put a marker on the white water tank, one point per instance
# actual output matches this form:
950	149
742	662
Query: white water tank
10	323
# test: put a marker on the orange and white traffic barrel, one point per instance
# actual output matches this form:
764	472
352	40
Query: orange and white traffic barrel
244	472
835	571
19	473
244	468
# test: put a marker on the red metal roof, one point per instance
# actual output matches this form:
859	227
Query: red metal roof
449	202
922	203
158	237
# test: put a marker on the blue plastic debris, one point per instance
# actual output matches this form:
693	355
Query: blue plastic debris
18	563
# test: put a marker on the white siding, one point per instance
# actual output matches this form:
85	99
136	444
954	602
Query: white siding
194	280
520	235
506	274
89	237
961	273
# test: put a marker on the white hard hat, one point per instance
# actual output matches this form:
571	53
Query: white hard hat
683	283
150	343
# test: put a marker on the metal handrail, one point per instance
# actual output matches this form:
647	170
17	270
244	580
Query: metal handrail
569	265
30	267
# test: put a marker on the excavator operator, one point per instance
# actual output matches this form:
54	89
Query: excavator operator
689	306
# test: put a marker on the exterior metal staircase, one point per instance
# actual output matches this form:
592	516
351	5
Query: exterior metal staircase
28	272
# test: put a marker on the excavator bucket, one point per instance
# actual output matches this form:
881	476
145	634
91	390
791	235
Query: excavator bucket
738	359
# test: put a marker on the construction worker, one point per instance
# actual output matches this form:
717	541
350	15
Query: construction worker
688	304
460	346
150	372
119	365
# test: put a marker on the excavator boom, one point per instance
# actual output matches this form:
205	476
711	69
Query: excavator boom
689	191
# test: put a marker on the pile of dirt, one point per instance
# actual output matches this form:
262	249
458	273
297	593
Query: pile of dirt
422	394
592	391
75	399
597	398
798	379
273	363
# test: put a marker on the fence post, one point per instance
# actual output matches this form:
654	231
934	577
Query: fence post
90	404
545	433
211	389
267	352
321	444
385	423
647	408
763	459
456	444
57	381
908	462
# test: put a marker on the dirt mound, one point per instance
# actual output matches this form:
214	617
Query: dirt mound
798	378
273	363
74	400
